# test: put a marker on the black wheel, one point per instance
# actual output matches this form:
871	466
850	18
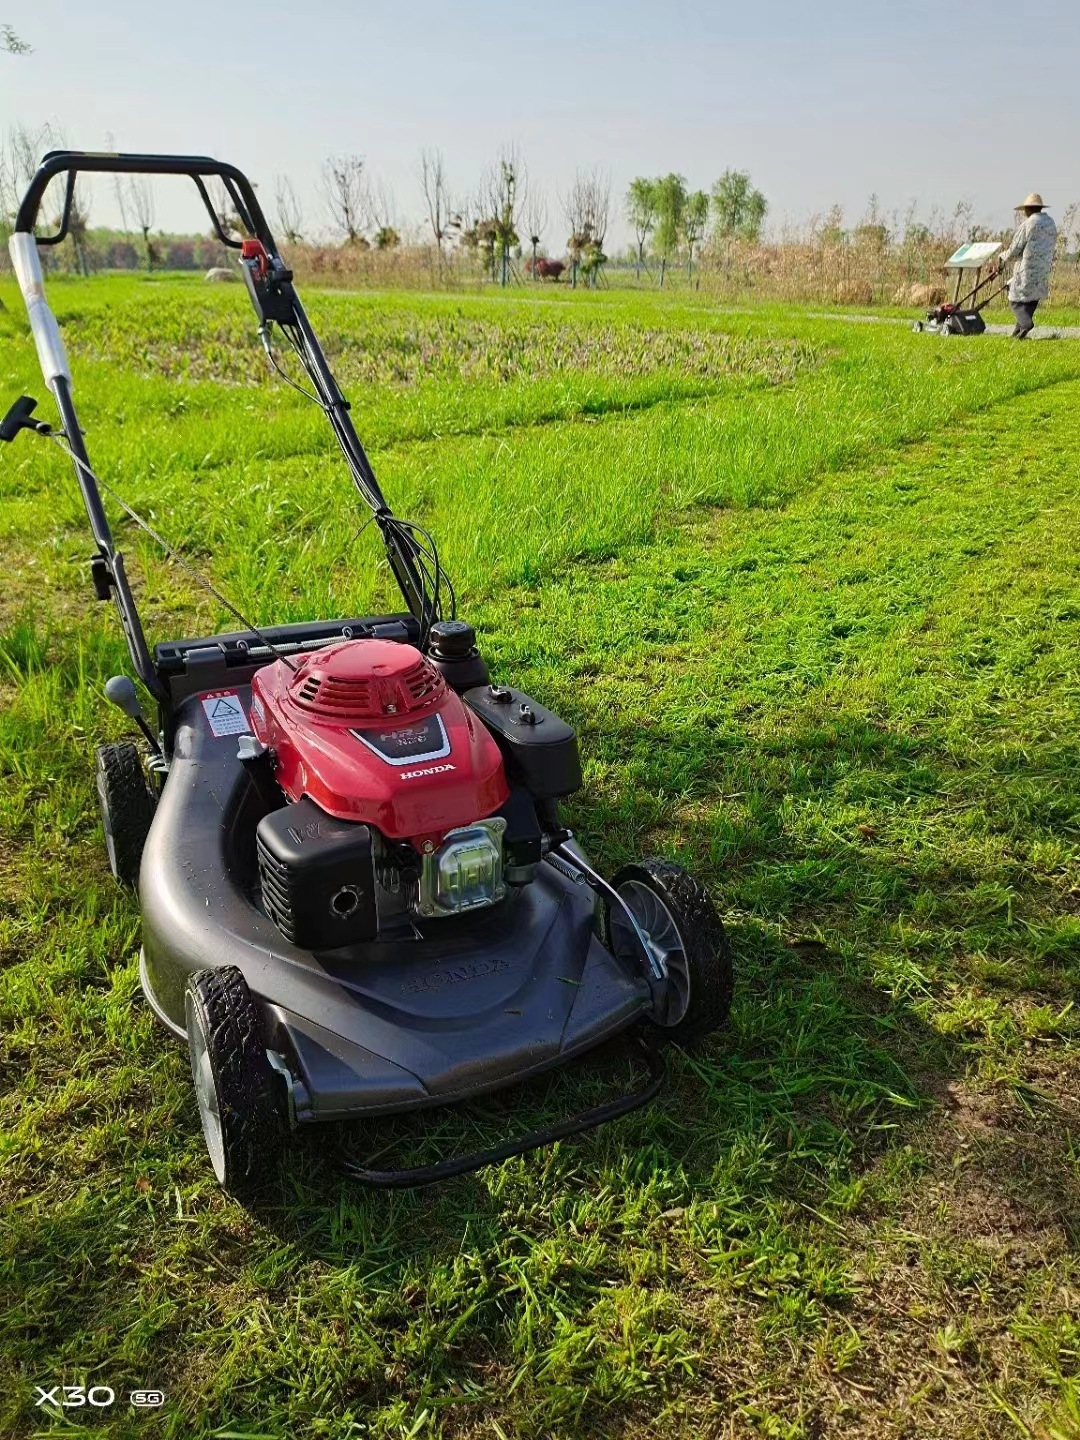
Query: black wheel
127	808
952	326
685	934
918	327
232	1078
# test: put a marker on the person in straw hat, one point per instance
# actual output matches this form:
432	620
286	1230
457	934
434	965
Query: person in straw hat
1033	248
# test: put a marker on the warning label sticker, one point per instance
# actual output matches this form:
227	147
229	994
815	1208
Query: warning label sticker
225	713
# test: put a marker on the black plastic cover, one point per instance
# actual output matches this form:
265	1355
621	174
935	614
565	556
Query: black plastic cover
318	877
540	750
522	841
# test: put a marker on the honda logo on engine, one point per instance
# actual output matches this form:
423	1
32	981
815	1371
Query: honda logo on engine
427	770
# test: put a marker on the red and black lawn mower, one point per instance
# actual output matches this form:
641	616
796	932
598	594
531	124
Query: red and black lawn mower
963	316
358	896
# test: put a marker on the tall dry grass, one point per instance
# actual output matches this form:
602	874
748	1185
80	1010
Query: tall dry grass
868	265
876	262
404	267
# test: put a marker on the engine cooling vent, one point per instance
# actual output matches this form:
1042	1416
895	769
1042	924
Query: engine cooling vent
423	682
362	680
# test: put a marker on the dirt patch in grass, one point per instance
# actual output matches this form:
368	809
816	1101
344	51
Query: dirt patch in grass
955	1300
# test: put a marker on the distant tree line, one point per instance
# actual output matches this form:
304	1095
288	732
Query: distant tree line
505	218
502	221
502	227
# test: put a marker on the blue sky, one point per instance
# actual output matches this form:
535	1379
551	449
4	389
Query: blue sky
822	102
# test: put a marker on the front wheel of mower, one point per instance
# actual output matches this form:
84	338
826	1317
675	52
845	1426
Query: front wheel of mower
127	808
685	933
232	1078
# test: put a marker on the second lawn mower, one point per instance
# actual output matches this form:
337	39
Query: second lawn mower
358	896
963	314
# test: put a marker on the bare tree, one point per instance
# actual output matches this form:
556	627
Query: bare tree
290	212
573	214
383	212
12	43
436	196
19	152
344	187
11	179
535	219
225	209
118	189
78	223
503	192
382	205
598	203
587	210
141	195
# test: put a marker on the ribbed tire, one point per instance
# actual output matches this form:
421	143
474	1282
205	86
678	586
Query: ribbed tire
232	1079
127	808
677	914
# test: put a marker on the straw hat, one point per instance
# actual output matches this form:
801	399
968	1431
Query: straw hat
1033	202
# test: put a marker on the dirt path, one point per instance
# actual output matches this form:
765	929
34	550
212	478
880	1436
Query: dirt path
1041	332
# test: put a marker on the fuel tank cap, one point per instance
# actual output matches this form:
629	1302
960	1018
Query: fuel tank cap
453	639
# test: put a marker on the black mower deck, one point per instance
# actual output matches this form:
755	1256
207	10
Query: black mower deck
474	1003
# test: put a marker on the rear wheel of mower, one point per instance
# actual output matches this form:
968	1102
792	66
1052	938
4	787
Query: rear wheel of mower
232	1078
127	808
684	931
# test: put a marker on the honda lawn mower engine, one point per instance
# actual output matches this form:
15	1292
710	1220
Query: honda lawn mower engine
399	796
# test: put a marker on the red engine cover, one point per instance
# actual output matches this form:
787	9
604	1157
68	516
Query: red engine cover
369	730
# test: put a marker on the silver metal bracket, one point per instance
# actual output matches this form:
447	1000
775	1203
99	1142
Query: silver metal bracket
581	872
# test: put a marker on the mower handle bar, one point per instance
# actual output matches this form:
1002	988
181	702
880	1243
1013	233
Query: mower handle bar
196	167
108	571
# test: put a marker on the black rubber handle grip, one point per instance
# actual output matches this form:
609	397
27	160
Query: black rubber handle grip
17	417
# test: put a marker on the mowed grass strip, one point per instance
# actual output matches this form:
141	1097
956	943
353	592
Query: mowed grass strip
517	478
848	699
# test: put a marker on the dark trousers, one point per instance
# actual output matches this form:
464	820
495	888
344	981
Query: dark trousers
1024	310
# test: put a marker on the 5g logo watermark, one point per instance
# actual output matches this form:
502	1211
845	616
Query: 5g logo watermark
147	1399
72	1397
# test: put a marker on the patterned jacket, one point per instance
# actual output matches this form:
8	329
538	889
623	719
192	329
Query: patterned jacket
1033	246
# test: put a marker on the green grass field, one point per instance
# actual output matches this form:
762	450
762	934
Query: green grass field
811	593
